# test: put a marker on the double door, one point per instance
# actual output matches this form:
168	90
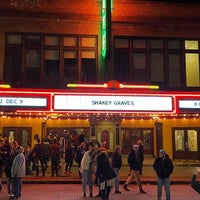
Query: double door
186	143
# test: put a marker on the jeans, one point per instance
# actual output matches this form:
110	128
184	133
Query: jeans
17	186
41	160
54	166
166	183
87	177
116	170
9	185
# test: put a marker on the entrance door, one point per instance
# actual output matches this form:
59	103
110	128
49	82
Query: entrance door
19	134
130	135
185	143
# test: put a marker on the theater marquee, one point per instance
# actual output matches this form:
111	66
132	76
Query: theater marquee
113	103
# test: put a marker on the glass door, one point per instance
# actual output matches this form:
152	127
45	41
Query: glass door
186	143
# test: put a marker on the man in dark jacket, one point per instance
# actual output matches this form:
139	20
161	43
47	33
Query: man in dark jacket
164	167
134	164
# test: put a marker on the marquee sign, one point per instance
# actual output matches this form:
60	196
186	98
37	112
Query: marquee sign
189	104
19	102
113	103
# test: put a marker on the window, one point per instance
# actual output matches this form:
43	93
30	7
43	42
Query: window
13	60
168	62
49	61
88	66
192	63
139	67
70	66
51	65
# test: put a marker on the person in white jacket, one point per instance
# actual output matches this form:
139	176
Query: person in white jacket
86	170
18	171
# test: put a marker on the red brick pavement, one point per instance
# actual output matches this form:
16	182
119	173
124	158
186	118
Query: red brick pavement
74	192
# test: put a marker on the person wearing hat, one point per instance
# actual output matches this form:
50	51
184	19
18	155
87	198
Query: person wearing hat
164	167
135	166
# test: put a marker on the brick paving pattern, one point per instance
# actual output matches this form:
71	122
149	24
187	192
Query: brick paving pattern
74	192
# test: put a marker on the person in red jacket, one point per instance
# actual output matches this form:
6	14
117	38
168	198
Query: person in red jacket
54	155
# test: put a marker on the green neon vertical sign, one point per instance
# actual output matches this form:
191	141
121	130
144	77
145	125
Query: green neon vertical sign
103	29
106	27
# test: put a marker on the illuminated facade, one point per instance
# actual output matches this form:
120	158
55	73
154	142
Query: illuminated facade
66	43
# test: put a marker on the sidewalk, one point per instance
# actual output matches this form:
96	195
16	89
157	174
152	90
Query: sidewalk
181	175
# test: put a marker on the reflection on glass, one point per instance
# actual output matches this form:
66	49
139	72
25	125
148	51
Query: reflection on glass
192	140
179	140
147	138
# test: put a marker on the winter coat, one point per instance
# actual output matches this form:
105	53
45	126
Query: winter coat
18	168
163	166
103	169
117	160
133	162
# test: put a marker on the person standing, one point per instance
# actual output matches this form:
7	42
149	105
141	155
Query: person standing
69	157
140	154
86	170
39	156
104	176
18	171
54	155
134	163
164	167
8	167
82	148
116	165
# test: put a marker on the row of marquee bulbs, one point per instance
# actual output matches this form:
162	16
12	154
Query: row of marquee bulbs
99	116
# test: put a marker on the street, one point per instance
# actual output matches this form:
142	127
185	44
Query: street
74	192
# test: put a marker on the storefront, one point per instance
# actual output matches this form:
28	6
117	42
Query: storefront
118	116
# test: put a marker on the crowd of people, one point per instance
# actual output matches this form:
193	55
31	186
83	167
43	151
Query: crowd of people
95	167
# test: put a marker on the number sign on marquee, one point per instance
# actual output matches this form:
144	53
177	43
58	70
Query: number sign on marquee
189	104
